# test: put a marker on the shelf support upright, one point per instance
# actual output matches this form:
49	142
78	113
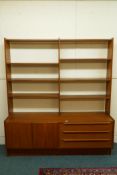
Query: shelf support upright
8	75
109	75
59	76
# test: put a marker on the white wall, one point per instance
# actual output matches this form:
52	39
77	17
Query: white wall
54	19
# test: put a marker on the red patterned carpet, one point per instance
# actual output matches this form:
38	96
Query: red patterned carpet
78	171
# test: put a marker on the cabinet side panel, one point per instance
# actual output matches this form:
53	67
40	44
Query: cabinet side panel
109	76
8	74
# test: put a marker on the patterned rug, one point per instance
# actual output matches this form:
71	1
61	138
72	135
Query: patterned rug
78	171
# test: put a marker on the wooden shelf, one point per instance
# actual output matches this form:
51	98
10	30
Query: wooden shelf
61	40
33	95
75	80
84	97
62	80
85	41
84	60
33	64
51	95
28	41
29	80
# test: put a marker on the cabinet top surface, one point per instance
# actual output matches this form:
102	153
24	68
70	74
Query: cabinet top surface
76	118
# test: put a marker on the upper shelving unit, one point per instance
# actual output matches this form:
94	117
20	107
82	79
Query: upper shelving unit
88	61
61	71
32	68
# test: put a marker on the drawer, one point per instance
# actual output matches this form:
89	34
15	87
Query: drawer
72	143
86	127
75	135
86	135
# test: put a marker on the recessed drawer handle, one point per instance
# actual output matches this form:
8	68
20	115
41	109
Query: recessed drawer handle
92	132
86	140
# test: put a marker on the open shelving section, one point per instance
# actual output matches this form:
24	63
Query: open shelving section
59	95
24	67
92	63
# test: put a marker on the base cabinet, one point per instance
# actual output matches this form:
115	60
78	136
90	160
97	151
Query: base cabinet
65	134
31	136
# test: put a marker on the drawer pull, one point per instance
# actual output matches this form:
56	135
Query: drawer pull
76	132
85	140
96	123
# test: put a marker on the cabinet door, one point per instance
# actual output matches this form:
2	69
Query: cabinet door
18	135
45	135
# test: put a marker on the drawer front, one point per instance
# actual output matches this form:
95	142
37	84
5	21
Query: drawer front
85	144
86	135
86	127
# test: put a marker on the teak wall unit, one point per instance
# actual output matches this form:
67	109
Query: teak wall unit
58	130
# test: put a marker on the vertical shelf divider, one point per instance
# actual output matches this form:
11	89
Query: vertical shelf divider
59	76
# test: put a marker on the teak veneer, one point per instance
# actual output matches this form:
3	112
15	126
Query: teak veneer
33	133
